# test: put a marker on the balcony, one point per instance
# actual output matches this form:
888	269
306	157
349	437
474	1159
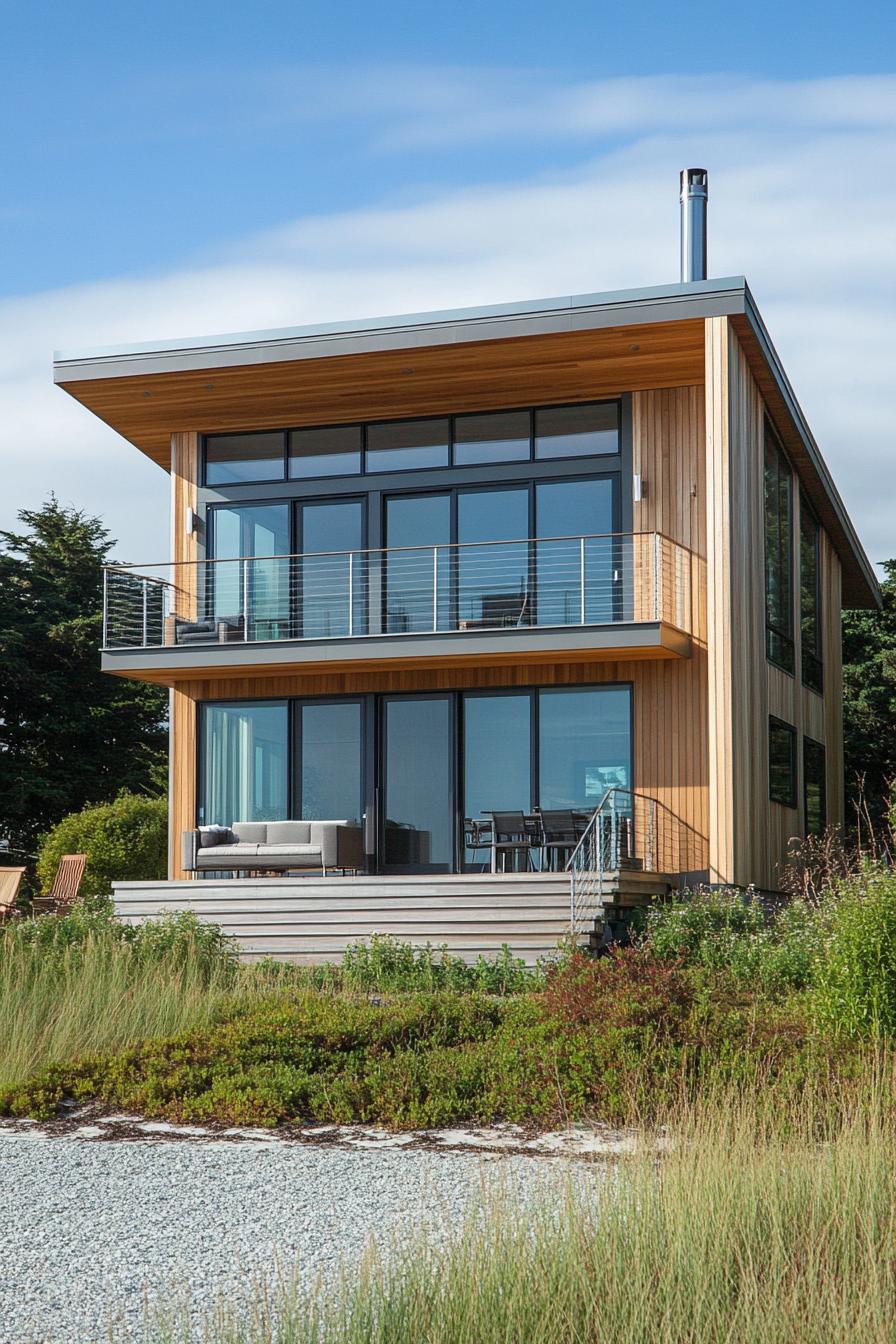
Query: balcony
635	594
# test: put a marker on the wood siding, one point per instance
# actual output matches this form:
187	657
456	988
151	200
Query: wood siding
750	834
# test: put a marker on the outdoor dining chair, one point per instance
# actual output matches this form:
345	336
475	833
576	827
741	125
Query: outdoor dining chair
559	837
10	881
511	834
65	888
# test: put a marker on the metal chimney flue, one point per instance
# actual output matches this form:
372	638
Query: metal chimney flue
694	193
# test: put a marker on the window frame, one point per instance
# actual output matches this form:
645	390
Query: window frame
452	465
811	745
777	725
784	635
812	658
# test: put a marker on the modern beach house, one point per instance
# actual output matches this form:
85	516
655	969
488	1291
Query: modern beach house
455	596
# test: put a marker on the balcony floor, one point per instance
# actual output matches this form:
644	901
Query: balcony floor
627	641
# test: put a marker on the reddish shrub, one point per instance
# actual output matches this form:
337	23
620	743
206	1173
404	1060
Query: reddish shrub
628	988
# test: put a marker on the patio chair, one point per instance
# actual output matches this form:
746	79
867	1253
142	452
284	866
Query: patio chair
10	881
558	837
511	834
66	885
477	836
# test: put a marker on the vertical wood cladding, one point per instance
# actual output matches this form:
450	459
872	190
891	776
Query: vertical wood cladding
744	687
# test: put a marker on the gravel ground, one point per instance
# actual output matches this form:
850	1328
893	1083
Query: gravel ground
94	1230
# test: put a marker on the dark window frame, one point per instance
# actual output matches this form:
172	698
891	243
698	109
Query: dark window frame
371	739
779	725
780	646
811	658
810	746
364	425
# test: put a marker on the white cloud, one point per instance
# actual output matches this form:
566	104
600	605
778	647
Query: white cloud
803	198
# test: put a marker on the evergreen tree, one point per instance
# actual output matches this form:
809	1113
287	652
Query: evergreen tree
69	734
869	699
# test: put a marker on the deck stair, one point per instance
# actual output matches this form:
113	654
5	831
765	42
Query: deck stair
308	920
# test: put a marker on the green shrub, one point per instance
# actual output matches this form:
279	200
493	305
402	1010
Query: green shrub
855	974
126	840
726	931
385	964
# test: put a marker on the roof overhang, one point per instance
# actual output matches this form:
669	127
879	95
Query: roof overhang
547	350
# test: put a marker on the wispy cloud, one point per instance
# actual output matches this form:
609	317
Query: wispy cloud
802	201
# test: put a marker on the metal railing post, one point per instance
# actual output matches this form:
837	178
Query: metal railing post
351	595
144	644
246	600
105	608
581	580
435	588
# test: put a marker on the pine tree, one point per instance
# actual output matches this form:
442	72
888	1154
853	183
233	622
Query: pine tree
69	734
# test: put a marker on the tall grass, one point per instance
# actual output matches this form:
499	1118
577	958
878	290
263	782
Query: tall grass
78	985
745	1231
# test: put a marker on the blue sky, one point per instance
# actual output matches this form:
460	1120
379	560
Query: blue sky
173	169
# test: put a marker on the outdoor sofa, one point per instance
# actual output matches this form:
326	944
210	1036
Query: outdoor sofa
253	846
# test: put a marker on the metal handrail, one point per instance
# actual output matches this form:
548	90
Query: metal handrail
600	579
644	828
125	565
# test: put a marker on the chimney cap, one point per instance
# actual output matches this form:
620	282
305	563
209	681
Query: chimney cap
694	182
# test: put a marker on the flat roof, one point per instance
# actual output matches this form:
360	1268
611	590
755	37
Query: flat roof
658	303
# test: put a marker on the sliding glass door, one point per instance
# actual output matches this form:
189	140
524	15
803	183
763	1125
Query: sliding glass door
418	822
331	569
250	546
415	765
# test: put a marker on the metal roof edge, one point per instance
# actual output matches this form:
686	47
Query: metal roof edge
772	359
493	321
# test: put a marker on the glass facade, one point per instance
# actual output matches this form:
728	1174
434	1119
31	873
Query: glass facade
330	754
244	762
781	763
810	600
574	509
577	431
232	459
419	763
325	452
418	819
778	554
331	568
588	429
584	744
814	787
257	538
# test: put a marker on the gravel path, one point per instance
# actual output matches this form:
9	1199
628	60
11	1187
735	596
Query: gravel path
93	1229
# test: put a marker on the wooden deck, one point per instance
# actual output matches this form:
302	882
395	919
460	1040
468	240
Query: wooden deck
312	919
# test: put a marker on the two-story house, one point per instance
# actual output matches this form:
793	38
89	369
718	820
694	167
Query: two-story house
560	556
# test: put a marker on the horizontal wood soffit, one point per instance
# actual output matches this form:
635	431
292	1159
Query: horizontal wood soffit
477	375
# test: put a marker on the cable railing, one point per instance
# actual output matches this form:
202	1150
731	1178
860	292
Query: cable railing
628	827
603	579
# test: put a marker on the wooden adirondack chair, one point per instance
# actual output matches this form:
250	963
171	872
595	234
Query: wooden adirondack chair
65	886
10	881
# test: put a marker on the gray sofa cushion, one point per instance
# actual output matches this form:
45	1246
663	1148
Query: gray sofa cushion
284	851
288	833
250	832
232	851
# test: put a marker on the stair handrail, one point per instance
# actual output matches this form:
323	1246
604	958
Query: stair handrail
627	823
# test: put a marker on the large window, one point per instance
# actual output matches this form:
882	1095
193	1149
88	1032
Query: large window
815	796
778	554
781	763
329	760
810	599
244	763
584	744
588	429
